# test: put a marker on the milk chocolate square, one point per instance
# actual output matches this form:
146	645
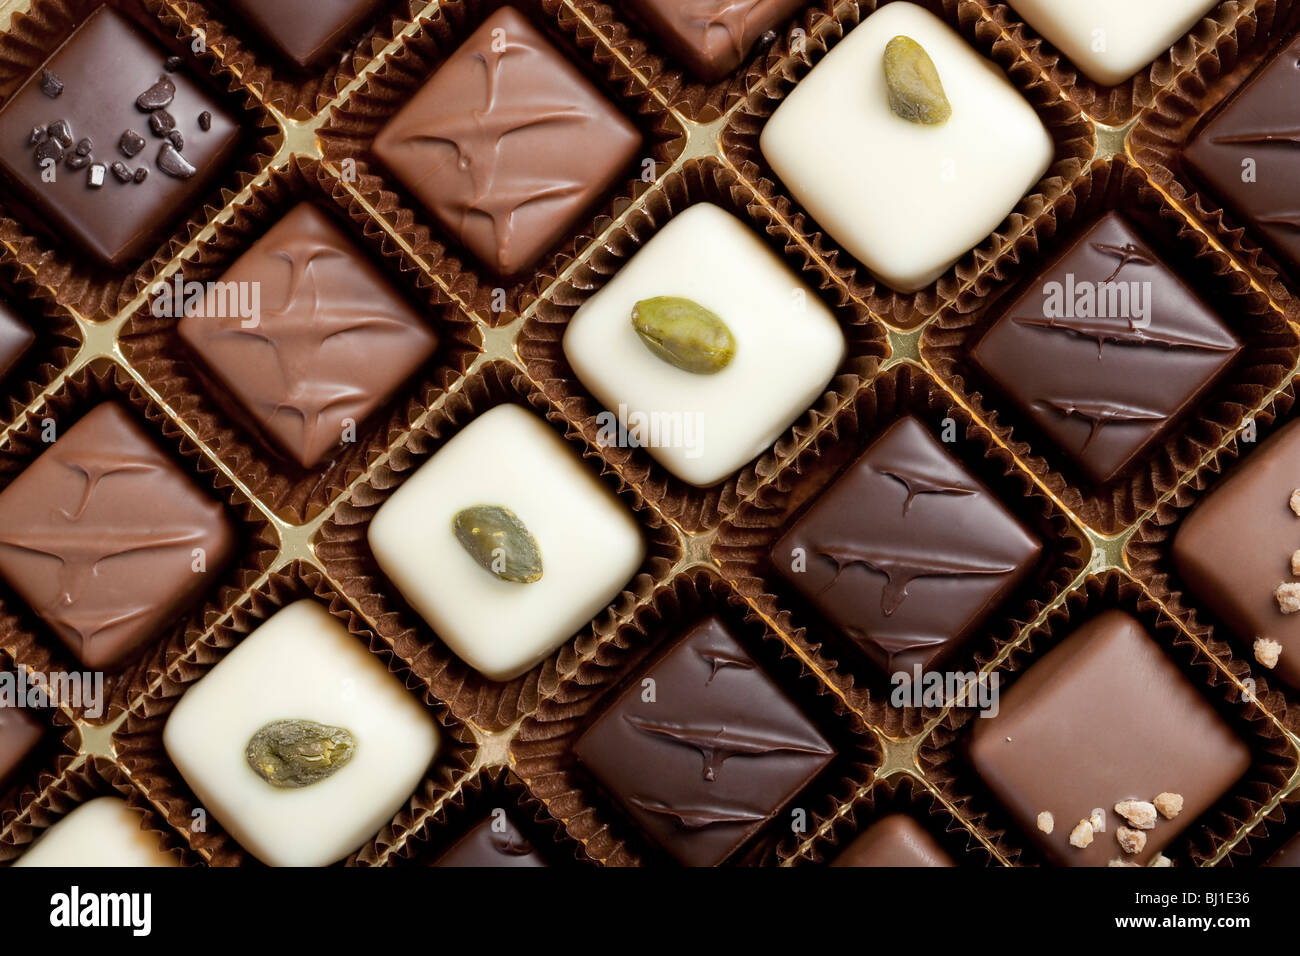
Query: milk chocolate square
1104	717
508	144
15	338
713	37
1248	154
107	540
57	152
1107	349
305	31
907	553
494	841
894	841
332	342
708	752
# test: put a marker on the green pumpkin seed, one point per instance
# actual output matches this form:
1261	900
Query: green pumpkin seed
915	90
684	334
296	753
499	542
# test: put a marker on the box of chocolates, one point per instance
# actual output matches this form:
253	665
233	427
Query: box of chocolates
556	433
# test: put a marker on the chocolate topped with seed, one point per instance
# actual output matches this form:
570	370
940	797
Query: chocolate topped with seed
157	96
173	163
161	122
51	85
131	143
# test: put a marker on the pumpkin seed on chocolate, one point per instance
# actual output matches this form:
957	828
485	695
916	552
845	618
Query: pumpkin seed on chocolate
292	754
915	91
684	334
157	96
500	543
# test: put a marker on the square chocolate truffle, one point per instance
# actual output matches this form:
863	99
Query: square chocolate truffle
895	840
1105	726
1106	349
15	338
493	842
301	742
1110	40
87	144
703	425
907	198
107	539
506	542
1237	553
101	832
331	342
1248	155
507	144
305	31
20	734
907	553
703	749
713	37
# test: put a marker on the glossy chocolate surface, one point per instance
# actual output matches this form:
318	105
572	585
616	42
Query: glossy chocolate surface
15	338
1235	548
1077	356
334	339
494	841
1259	125
20	734
106	69
102	536
508	144
1287	855
713	757
713	37
895	840
1104	717
305	31
907	552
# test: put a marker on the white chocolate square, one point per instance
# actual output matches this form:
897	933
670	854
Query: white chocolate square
590	544
100	832
907	199
302	663
1110	40
788	346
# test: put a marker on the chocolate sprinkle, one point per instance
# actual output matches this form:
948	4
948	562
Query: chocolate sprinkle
205	121
172	64
51	85
61	133
157	96
141	174
123	174
176	139
161	122
131	143
173	163
85	146
48	150
78	160
95	178
38	134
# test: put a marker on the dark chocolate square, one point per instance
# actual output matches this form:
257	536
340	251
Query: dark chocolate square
1104	717
895	840
107	540
20	734
1248	154
105	67
508	144
713	37
15	338
703	749
494	841
333	341
1106	380
305	31
1235	548
907	553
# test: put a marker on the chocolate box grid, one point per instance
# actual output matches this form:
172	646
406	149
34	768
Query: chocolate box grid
616	49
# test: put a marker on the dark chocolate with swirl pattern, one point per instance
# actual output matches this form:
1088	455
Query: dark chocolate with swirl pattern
494	841
1106	349
907	553
508	144
713	37
702	748
107	540
332	342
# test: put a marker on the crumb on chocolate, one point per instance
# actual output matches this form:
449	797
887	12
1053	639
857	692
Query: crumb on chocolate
1267	652
1169	804
1295	562
1295	501
1130	840
1139	814
1046	822
1119	862
1081	835
1288	597
1160	860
